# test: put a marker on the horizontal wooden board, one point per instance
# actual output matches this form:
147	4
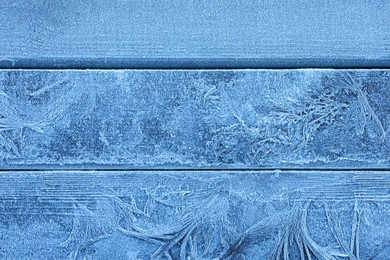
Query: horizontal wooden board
194	119
194	215
194	34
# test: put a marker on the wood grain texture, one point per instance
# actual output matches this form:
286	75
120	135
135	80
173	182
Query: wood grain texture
194	119
194	34
190	214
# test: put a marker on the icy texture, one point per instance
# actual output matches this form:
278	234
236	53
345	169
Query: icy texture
194	215
194	33
237	118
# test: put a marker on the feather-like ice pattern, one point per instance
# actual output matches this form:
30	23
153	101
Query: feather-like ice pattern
194	215
207	119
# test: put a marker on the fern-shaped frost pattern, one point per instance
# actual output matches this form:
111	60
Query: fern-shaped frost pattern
201	118
198	215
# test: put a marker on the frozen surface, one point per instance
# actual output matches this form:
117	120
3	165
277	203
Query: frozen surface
194	215
182	164
194	33
192	119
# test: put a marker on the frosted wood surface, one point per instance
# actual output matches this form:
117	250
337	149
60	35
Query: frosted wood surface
205	215
207	119
212	33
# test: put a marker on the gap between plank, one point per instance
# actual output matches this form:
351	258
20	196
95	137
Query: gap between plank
193	63
196	169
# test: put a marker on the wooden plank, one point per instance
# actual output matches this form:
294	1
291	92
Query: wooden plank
206	215
188	118
194	34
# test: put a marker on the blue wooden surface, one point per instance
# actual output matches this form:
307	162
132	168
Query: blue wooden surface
194	164
194	215
195	119
202	34
184	120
